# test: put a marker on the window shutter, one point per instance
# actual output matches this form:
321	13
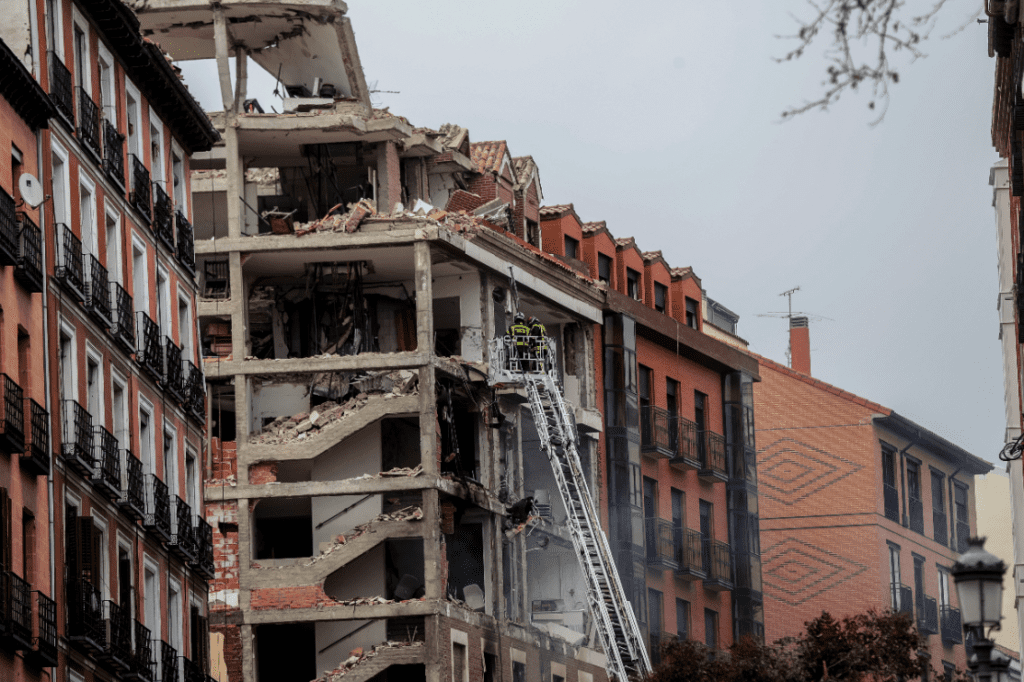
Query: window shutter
199	631
6	554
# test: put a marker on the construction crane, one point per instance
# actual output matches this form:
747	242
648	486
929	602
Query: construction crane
530	365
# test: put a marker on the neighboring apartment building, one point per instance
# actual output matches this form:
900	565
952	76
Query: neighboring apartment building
112	351
860	508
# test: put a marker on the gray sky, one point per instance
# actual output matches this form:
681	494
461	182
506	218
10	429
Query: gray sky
663	119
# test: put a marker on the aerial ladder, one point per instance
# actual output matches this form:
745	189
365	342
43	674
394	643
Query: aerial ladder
615	622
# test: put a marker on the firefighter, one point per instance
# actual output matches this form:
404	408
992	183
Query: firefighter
519	338
539	342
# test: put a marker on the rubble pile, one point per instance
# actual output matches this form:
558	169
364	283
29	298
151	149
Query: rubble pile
357	656
406	514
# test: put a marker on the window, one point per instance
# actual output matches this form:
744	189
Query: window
94	386
646	380
124	576
650	513
151	586
919	585
915	505
672	405
700	418
6	560
68	365
171	459
633	284
59	185
185	326
192	482
174	608
707	525
134	122
54	28
147	448
113	233
948	670
518	671
156	149
178	176
711	628
199	634
678	524
80	46
163	302
939	507
660	296
894	577
604	268
460	667
890	492
692	313
654	613
682	619
102	580
108	88
532	232
572	248
140	276
963	519
87	216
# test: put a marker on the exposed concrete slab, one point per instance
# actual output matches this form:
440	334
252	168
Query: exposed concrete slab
342	612
352	486
385	658
401	234
208	308
220	369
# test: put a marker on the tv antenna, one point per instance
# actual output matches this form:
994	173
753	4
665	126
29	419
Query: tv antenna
789	315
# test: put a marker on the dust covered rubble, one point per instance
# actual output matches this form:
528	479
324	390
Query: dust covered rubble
405	514
357	656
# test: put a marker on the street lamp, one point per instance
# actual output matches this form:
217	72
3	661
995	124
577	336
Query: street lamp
979	584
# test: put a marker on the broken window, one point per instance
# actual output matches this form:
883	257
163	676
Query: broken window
633	284
569	349
299	640
458	430
447	334
465	554
532	232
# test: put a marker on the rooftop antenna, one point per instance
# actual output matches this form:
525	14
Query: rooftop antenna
789	296
789	315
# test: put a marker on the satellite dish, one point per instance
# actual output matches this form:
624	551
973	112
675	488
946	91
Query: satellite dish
31	190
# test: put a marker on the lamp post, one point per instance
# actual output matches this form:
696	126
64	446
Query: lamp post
978	576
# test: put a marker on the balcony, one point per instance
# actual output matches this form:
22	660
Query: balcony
902	599
122	326
192	671
892	502
927	616
142	665
117	650
141	194
30	255
113	153
168	663
76	431
69	262
133	494
656	439
951	626
182	535
61	93
158	509
916	510
186	246
85	627
8	230
688	554
12	417
660	544
106	478
44	651
16	610
940	526
687	452
36	459
963	532
97	292
195	396
204	549
163	216
88	123
174	381
712	457
148	352
717	560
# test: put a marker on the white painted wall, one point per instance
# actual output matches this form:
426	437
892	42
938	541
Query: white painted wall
364	577
274	401
467	288
357	455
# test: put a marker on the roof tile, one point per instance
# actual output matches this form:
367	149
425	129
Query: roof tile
488	155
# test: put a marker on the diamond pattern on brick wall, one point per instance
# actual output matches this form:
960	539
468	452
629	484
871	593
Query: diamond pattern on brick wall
790	471
796	571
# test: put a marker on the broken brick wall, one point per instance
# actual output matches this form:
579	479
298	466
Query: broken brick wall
226	652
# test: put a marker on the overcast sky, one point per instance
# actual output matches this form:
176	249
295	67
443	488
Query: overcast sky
663	119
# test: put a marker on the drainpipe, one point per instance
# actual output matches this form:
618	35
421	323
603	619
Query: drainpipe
46	373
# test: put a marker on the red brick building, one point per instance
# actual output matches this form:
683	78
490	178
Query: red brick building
860	508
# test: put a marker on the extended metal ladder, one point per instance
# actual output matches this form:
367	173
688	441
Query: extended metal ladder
616	624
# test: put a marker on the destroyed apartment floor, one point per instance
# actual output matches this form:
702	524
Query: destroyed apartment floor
358	659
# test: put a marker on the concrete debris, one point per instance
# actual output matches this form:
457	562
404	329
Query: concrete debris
406	514
259	176
335	222
357	656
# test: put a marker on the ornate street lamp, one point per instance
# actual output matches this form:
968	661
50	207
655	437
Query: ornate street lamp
979	584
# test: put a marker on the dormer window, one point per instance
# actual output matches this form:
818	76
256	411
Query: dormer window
572	248
660	296
692	313
604	268
633	284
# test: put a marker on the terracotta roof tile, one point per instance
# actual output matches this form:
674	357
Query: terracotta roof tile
595	226
625	241
651	255
488	155
557	211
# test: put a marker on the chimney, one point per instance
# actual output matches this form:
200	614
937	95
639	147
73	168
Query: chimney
799	345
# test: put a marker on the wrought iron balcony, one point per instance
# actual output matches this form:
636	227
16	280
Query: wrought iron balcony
61	93
963	532
113	153
122	324
117	650
902	599
97	292
8	230
186	246
951	625
148	352
30	254
891	498
69	262
660	543
168	663
76	444
204	549
182	535
16	610
107	476
717	560
940	526
927	616
133	491
12	416
85	627
916	510
158	509
141	194
163	216
195	403
44	651
142	667
687	457
688	554
174	380
88	123
191	671
656	432
36	459
712	457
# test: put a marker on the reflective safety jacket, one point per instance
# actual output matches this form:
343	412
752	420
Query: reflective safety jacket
540	335
519	332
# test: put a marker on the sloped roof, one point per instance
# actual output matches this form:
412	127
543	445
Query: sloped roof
488	155
557	211
595	227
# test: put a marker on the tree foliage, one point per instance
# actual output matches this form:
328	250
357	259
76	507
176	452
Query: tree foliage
882	647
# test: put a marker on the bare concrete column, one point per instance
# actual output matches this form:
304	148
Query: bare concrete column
434	649
248	655
221	41
424	298
389	177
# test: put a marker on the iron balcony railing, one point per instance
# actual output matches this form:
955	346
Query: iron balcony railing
107	476
117	650
133	492
204	548
660	543
927	616
97	292
16	609
939	526
148	352
191	671
8	229
963	532
69	262
88	122
113	153
182	540
36	458
141	194
30	255
916	510
717	560
163	216
712	457
61	93
174	380
892	502
687	545
122	325
186	246
44	651
902	599
12	416
950	624
168	663
76	442
196	393
85	627
158	509
142	667
656	431
687	451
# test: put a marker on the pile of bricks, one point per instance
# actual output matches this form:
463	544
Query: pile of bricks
406	514
357	656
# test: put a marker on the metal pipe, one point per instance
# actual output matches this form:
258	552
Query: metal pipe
46	372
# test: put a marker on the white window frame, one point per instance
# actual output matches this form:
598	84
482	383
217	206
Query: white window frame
185	336
139	246
183	206
163	302
156	626
193	490
116	259
64	187
86	76
148	467
175	635
124	439
67	329
157	167
92	354
58	31
104	528
109	108
170	468
89	185
133	92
